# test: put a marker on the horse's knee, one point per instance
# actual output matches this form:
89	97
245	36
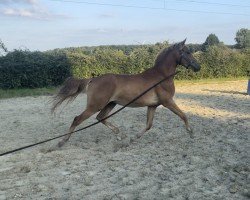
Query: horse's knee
98	117
76	119
183	117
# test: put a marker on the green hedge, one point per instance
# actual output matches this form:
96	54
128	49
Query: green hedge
25	69
216	62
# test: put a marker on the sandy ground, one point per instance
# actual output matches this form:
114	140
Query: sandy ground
165	164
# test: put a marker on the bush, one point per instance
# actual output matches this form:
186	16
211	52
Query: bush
25	69
219	62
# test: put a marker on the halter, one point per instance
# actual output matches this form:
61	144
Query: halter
185	58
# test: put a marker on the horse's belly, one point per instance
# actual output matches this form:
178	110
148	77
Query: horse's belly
146	100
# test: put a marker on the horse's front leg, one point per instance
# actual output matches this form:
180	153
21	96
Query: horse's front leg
150	116
170	104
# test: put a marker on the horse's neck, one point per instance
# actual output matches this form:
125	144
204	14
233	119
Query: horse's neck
167	67
162	68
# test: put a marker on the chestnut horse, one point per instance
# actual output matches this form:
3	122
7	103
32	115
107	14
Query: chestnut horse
105	91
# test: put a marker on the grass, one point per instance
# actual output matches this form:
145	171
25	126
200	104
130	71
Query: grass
11	93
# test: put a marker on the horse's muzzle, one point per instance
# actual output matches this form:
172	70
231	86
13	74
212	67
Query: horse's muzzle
196	67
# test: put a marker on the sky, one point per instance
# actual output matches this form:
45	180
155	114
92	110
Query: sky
49	24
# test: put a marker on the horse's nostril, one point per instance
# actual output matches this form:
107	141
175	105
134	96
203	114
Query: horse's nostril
197	69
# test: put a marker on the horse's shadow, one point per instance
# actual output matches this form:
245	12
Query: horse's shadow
219	102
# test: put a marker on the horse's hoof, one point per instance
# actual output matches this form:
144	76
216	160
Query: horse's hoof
51	149
123	136
191	133
138	136
132	140
60	144
116	131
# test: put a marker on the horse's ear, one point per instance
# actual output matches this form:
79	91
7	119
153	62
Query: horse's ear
181	44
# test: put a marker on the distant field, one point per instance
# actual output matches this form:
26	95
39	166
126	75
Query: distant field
10	93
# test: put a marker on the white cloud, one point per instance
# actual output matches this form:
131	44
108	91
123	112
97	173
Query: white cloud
18	12
31	2
34	13
32	9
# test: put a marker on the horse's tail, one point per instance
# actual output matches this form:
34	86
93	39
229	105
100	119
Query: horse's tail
70	89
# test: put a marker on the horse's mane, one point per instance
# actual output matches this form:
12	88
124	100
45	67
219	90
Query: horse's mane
162	55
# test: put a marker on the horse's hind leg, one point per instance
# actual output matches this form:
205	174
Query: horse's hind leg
78	120
175	109
104	113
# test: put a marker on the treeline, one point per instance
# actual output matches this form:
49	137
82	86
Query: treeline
20	68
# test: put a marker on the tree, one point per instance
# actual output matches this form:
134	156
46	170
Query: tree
211	40
243	38
3	48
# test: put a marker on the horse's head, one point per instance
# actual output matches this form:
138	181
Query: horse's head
185	58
